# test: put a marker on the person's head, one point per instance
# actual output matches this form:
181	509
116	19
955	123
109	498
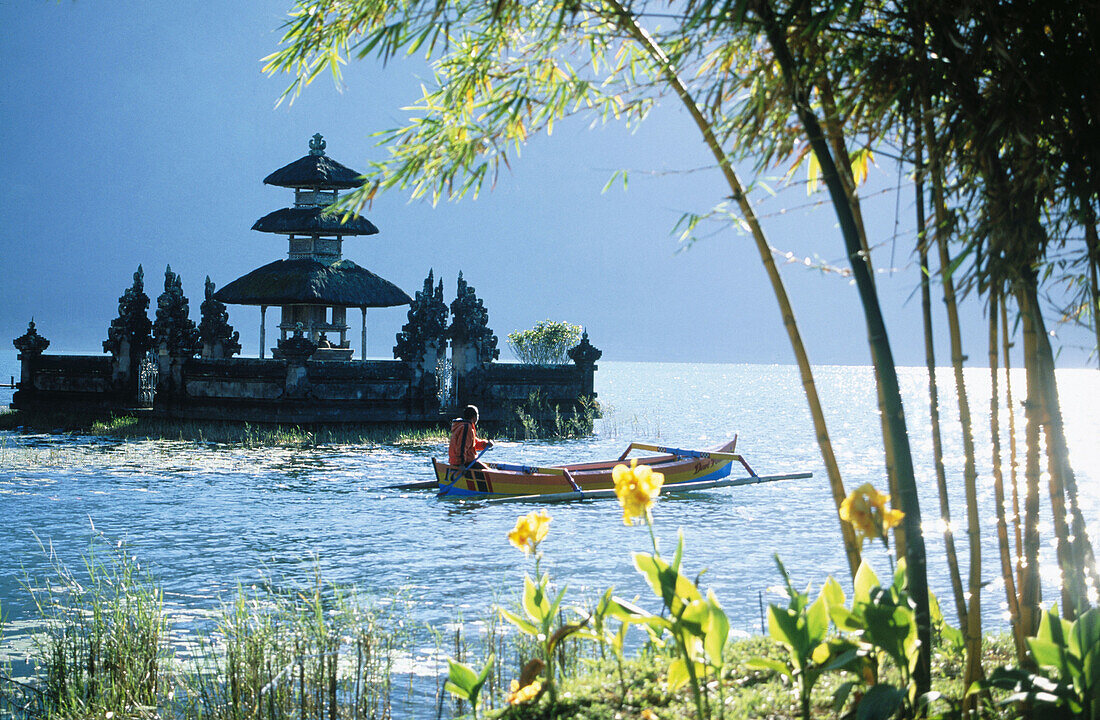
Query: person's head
470	413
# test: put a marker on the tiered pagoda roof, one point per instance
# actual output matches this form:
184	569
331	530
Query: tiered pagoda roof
309	282
315	272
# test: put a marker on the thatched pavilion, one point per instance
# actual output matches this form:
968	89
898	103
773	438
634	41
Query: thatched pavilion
314	285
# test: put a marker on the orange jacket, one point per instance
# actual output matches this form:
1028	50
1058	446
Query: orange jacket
464	443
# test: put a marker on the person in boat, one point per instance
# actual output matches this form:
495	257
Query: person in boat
465	444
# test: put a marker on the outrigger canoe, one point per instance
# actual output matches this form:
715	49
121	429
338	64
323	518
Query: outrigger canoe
688	468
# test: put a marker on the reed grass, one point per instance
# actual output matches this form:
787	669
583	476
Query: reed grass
312	652
104	650
103	647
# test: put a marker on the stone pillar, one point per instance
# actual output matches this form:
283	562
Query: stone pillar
469	373
296	351
425	382
30	345
263	337
122	365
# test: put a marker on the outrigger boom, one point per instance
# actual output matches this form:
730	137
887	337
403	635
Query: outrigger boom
665	489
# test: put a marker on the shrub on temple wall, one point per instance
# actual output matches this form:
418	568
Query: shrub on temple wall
547	343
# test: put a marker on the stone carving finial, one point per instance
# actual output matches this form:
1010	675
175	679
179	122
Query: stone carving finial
317	145
217	336
30	343
470	323
585	353
427	323
173	328
132	327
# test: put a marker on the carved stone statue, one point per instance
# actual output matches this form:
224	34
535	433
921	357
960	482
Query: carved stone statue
130	337
218	338
423	339
174	331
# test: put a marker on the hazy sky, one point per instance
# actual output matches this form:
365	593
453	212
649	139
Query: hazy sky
139	132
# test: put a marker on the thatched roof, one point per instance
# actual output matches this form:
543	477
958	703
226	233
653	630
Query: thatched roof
309	220
292	282
315	171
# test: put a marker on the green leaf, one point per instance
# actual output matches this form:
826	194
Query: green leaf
1047	654
881	702
833	593
840	696
865	580
461	678
717	632
677	674
817	620
535	603
522	623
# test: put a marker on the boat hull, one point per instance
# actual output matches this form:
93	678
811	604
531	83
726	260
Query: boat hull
498	479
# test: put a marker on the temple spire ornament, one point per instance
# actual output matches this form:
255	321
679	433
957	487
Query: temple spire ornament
317	145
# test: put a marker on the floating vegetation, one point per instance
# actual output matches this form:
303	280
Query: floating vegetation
146	426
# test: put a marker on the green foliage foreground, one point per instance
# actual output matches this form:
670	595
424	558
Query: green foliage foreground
107	648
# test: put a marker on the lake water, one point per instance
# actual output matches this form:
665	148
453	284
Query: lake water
206	518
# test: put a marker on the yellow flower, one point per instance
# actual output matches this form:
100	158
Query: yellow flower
523	694
530	530
636	487
865	508
648	714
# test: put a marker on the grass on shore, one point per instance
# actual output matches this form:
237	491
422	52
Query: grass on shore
146	426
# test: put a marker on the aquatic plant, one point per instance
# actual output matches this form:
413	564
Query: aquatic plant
103	646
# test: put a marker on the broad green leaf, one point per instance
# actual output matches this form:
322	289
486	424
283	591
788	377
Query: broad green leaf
462	677
1047	654
833	593
717	631
881	702
817	620
677	674
840	696
534	599
521	623
679	554
865	580
845	619
820	655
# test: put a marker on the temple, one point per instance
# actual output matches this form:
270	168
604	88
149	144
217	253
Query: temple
444	358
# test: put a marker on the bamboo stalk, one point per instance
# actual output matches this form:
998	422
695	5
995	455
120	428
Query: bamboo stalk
1013	456
1079	552
895	433
1018	637
970	473
1030	587
934	402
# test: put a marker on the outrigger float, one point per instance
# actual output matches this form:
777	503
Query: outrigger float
684	471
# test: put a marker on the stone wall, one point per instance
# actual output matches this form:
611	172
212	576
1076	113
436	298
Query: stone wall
66	382
288	392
